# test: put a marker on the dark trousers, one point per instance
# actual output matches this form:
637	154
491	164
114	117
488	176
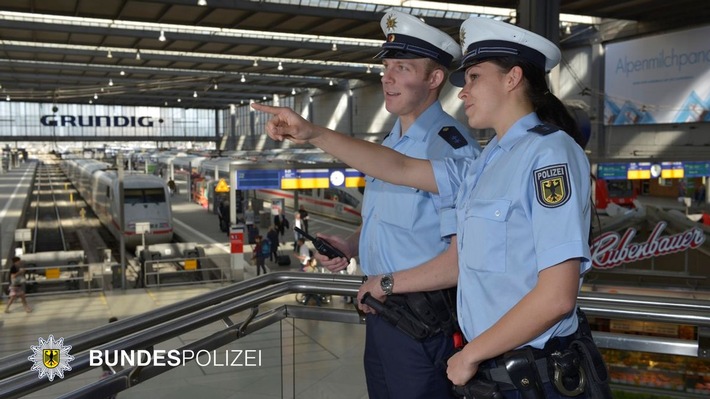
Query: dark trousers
397	366
260	265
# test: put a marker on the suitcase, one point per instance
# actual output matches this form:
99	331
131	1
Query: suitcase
283	260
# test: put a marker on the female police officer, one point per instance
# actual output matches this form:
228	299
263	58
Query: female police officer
522	208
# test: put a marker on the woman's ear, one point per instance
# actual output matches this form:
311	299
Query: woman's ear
514	77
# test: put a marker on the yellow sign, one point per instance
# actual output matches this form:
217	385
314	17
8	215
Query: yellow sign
52	272
190	264
222	187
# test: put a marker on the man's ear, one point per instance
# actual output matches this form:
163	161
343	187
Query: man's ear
436	78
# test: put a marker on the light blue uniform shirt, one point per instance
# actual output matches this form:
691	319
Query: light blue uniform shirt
521	207
401	226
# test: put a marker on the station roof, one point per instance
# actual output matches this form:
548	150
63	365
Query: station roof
228	52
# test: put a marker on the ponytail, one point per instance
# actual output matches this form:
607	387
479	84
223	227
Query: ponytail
547	106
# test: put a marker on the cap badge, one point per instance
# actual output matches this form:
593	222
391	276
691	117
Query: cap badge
391	22
462	39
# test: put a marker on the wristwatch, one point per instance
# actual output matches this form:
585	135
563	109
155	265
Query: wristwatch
387	283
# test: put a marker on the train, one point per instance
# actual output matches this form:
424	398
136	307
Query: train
204	174
146	200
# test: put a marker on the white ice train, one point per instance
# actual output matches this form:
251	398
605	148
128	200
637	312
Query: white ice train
146	200
337	203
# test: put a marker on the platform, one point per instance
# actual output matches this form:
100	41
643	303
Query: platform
15	190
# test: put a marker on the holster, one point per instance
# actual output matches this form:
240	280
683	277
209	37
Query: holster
478	389
523	373
591	360
420	315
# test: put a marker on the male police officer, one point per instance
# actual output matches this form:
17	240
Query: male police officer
401	226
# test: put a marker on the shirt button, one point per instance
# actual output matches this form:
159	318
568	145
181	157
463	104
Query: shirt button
497	213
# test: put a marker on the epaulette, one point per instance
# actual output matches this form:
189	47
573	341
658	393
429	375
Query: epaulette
453	136
544	129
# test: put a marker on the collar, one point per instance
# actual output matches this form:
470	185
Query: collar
517	132
422	125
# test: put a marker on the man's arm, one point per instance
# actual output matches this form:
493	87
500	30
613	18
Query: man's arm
437	273
372	159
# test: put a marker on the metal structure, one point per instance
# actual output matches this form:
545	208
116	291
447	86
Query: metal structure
154	52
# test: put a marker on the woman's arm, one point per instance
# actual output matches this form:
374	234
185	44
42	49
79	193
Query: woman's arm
553	298
372	159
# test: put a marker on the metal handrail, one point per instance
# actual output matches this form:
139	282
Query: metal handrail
153	327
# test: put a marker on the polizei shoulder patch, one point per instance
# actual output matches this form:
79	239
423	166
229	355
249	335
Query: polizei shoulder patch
452	136
552	185
544	129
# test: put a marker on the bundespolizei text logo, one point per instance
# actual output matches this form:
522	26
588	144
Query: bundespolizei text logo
51	358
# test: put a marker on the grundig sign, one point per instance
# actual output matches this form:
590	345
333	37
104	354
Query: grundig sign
96	121
611	249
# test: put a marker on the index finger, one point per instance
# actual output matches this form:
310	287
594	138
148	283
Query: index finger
265	108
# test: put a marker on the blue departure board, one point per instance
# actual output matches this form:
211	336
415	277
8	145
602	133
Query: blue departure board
696	169
612	171
252	179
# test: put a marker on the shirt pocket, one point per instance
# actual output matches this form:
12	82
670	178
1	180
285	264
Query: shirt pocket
484	242
400	206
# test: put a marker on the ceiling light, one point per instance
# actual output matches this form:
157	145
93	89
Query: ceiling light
215	86
330	82
280	67
369	70
7	98
194	93
123	72
138	54
256	63
264	98
202	3
96	96
382	73
91	101
110	82
243	79
293	92
166	103
109	55
335	47
102	89
179	100
162	36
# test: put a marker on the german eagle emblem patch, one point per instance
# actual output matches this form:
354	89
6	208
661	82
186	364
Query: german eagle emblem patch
552	185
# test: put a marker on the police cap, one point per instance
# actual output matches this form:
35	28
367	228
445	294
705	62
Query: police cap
409	37
483	38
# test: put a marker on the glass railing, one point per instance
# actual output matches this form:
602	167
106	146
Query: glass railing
247	324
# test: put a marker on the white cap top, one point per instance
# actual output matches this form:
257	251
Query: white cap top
409	37
483	38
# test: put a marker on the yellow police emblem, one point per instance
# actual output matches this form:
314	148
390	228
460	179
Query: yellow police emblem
50	358
552	185
391	22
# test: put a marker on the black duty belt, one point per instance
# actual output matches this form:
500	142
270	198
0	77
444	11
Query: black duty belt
420	315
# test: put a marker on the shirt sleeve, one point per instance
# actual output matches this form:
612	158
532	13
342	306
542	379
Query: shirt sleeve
560	203
449	174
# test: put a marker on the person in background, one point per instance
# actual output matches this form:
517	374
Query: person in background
304	217
273	236
17	285
518	269
401	226
297	223
262	249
